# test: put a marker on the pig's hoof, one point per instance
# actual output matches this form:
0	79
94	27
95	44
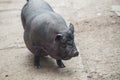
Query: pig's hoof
37	67
37	64
60	64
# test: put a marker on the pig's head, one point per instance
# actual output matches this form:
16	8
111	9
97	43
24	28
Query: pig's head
66	44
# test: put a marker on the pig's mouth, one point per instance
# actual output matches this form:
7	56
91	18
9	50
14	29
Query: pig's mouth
67	56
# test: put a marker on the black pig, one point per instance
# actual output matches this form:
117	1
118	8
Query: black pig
46	33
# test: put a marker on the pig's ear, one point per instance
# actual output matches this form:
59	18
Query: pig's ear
71	27
58	37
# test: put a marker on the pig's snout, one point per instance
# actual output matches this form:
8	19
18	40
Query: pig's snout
75	53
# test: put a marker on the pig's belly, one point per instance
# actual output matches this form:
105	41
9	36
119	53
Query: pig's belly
32	48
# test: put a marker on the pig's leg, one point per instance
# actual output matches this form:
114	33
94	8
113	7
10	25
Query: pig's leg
60	63
37	60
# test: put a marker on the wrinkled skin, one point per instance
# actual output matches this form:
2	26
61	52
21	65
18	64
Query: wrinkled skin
46	33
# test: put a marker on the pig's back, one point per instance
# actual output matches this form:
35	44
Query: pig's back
33	8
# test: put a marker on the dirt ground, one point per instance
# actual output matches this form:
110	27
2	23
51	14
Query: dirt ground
97	36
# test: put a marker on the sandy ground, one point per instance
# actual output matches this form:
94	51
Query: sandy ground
97	36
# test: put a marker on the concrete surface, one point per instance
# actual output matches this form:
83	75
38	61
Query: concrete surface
97	36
